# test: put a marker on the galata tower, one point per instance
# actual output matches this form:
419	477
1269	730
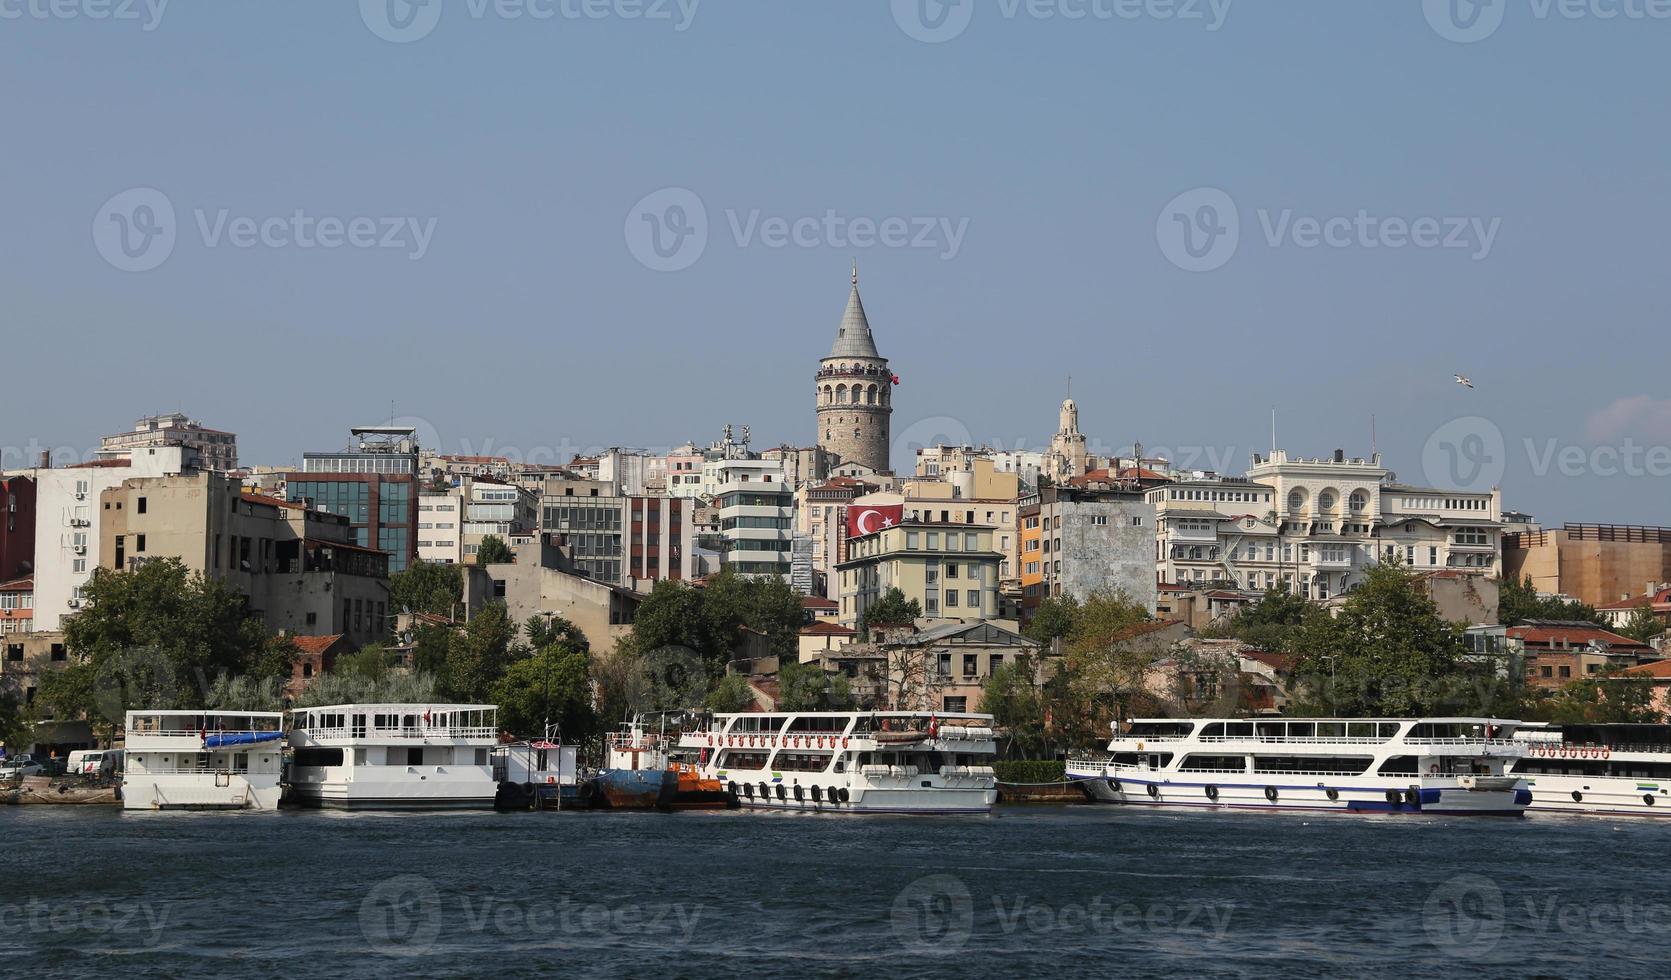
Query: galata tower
855	392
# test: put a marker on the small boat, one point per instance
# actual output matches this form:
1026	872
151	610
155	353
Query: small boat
642	772
850	761
203	760
541	774
1452	766
1606	769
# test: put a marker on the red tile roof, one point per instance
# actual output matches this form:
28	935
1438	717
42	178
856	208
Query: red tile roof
100	464
1659	668
1571	636
817	602
24	584
827	629
315	645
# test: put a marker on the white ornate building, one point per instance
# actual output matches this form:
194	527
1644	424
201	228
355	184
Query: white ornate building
1312	526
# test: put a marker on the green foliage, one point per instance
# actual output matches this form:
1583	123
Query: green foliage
891	608
1030	771
1519	601
159	636
806	687
397	687
428	587
1054	618
245	694
1273	623
1643	625
1609	698
372	662
1102	675
1013	699
732	694
494	551
546	631
479	655
15	724
429	648
1387	654
710	620
553	686
632	681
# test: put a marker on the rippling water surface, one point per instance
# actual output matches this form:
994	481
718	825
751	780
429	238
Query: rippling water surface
1072	891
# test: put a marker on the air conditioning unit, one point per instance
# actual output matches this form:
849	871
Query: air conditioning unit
81	522
79	549
80	496
74	603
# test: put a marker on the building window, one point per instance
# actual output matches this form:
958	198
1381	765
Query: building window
141	505
139	543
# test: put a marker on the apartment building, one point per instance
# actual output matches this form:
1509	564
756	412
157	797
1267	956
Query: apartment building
627	541
17	605
216	449
1076	541
375	484
950	569
298	567
495	509
440	526
756	517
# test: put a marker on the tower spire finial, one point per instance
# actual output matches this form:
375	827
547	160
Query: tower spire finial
855	272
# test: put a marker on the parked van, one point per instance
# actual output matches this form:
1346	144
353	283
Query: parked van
94	762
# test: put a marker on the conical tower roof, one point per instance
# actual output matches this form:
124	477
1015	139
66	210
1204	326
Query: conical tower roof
854	339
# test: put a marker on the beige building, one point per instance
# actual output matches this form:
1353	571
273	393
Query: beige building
297	566
950	569
535	585
976	493
1594	563
218	450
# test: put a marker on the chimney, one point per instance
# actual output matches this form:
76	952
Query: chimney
1340	455
46	459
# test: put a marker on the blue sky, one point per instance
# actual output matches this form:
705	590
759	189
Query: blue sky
1061	151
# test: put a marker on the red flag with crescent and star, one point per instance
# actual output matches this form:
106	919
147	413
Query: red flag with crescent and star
865	519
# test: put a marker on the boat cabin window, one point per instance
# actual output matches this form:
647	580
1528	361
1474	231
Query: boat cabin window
318	758
1271	729
1214	763
1362	729
1403	765
1389	729
1329	765
1331	729
1161	729
732	759
1302	729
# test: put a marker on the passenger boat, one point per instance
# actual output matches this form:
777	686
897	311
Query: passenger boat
1617	769
642	771
393	756
1455	766
198	760
850	762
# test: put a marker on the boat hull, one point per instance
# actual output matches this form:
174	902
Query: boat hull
1599	795
1340	795
975	799
199	792
457	788
656	789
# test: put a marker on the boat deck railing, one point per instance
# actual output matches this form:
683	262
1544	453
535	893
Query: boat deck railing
372	734
1472	742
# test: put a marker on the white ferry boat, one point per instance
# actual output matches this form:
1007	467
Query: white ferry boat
394	756
850	762
1617	770
197	760
1354	765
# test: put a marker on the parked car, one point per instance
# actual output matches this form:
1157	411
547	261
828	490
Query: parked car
95	762
19	766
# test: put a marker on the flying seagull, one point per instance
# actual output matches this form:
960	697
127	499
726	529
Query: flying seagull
1464	381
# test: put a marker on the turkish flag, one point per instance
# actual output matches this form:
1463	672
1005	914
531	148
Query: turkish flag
865	519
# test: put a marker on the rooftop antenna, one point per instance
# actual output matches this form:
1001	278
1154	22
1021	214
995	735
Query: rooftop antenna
1273	430
1372	434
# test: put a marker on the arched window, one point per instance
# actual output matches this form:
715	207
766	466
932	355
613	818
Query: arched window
841	394
870	395
829	394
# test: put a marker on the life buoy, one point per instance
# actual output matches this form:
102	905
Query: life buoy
1648	798
550	779
846	742
841	795
1577	797
1270	793
1433	769
710	741
1606	752
1394	797
1412	797
1332	793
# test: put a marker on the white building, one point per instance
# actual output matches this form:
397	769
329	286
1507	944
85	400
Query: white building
756	514
218	450
440	536
67	523
1313	526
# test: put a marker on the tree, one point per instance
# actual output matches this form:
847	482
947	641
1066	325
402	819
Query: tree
494	551
710	620
1013	699
890	609
553	686
1518	601
428	587
1055	618
1274	622
1643	625
806	687
1609	698
1387	654
15	725
1103	668
372	662
397	687
554	630
731	695
479	655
